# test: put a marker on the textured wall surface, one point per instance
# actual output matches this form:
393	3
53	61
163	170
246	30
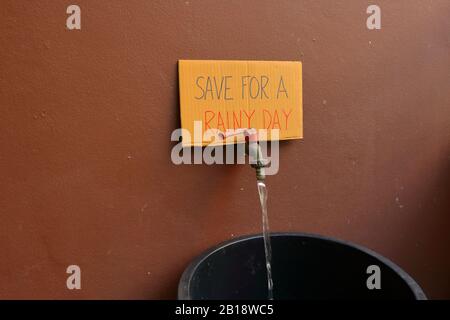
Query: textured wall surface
86	117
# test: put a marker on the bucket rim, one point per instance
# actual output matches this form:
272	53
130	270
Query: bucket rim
188	273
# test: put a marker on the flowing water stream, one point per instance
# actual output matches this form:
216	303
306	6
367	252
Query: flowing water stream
266	234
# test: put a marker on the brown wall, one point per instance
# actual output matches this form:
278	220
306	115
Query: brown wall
86	118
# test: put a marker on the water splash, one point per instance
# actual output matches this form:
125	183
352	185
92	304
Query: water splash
262	190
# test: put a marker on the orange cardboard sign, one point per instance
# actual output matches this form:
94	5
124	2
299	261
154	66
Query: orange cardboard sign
227	95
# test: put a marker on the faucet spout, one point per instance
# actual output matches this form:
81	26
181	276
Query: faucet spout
256	159
252	149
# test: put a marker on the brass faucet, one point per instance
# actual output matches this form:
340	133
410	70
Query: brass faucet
252	149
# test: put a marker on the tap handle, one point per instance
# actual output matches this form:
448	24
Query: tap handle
250	133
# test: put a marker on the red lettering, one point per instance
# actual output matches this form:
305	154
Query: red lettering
287	115
207	121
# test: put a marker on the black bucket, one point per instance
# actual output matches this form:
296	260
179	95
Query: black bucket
304	266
